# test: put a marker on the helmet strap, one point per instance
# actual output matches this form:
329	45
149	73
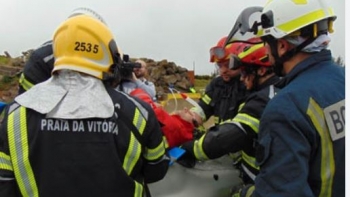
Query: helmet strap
279	60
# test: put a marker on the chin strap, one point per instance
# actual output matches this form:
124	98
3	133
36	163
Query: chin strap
279	60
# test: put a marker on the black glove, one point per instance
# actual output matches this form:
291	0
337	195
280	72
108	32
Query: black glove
187	160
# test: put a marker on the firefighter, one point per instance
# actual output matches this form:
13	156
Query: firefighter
224	93
240	133
74	135
37	68
39	65
301	148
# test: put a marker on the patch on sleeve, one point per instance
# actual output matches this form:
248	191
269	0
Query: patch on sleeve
335	118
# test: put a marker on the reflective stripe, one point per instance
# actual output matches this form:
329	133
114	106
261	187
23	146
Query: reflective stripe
198	149
241	106
48	58
19	151
139	121
6	178
250	50
132	155
216	120
155	153
248	120
5	162
250	191
25	83
250	160
272	92
316	115
309	18
165	142
248	172
206	99
138	189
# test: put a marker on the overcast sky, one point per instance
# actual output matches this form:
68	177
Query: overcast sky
181	31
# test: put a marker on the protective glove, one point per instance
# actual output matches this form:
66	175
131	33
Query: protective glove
187	160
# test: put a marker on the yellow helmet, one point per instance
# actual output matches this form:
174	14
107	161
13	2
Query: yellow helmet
285	17
85	44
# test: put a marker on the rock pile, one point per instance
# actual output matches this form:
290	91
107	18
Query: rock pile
163	74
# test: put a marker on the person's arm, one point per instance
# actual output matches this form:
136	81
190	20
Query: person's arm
205	102
148	86
156	161
228	138
284	152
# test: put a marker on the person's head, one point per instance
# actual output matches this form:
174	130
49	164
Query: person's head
85	44
220	55
295	29
141	72
253	62
189	116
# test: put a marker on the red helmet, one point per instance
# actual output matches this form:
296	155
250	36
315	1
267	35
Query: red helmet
221	53
251	53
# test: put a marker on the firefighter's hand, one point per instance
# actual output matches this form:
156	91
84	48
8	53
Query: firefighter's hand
187	160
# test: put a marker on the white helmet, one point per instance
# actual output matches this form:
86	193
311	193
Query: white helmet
283	17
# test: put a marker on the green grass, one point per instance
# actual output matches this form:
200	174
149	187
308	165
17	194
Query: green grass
4	60
200	84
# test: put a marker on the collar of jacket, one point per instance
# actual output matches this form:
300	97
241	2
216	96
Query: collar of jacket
69	95
324	55
272	80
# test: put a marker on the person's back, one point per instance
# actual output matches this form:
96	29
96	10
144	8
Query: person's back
86	157
301	144
316	112
100	143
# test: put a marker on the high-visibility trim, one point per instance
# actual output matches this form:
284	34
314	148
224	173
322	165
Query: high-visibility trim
166	144
241	106
198	149
132	155
155	153
19	151
250	50
317	117
206	99
250	191
216	119
250	160
25	83
5	162
138	189
248	172
309	18
246	119
139	121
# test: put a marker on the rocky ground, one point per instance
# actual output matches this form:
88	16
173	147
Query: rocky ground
163	73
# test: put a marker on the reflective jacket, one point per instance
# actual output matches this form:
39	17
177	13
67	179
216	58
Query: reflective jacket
302	133
221	99
37	68
47	157
238	133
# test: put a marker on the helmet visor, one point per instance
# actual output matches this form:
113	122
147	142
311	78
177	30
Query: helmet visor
246	25
217	53
234	63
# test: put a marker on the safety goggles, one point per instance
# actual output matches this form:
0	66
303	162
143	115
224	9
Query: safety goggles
234	63
217	53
